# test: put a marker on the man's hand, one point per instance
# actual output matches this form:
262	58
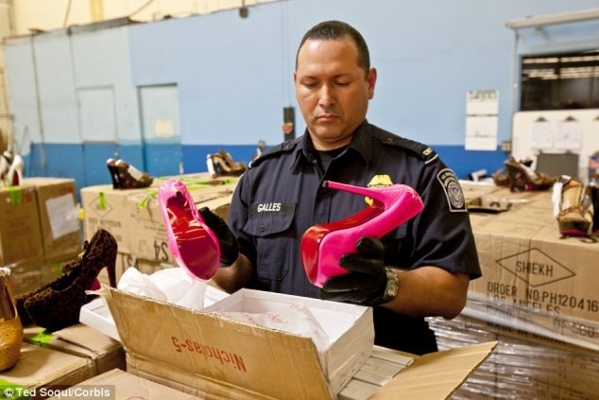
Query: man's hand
367	280
229	248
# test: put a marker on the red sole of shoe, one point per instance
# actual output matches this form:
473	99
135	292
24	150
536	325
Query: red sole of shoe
197	250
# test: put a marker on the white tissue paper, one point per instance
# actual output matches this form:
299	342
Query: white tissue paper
171	285
296	319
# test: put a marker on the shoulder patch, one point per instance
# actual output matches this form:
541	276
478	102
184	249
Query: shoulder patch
453	190
284	147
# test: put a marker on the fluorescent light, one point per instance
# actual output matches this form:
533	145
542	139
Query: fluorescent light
542	20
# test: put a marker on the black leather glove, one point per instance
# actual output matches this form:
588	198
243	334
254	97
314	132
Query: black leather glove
367	280
229	248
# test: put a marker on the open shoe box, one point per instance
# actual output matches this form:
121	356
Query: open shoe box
255	358
213	356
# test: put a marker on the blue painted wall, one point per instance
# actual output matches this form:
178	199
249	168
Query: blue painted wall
234	77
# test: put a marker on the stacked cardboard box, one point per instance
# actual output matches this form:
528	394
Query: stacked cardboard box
534	275
132	216
39	230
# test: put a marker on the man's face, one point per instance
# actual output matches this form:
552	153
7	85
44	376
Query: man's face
332	90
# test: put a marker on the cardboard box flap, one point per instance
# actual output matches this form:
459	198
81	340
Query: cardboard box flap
436	375
273	362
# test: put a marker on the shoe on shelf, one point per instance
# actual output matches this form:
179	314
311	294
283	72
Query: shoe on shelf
234	165
11	169
522	178
573	206
57	305
219	167
11	329
130	177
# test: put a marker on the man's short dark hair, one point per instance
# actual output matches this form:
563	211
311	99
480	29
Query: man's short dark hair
334	30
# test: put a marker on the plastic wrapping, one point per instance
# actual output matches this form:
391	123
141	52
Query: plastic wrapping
525	364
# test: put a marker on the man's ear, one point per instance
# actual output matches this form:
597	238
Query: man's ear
371	82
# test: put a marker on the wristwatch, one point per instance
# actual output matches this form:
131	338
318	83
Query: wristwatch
392	287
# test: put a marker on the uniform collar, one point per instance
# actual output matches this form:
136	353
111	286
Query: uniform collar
361	143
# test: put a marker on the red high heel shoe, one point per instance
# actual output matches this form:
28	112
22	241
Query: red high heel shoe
323	245
194	246
57	305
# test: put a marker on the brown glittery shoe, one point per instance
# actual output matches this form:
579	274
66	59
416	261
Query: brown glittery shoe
11	329
57	305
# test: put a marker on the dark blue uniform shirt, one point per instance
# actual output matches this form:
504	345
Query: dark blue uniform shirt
281	195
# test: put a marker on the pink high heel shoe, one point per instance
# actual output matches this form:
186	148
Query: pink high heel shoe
323	245
194	246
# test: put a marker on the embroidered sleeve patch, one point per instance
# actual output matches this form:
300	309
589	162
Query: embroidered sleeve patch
453	190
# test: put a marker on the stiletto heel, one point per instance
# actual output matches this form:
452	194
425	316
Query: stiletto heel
11	329
57	305
130	177
323	245
114	173
192	243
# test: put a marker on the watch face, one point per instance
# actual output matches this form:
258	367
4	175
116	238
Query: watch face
392	285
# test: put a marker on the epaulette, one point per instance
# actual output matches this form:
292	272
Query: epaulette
424	152
285	147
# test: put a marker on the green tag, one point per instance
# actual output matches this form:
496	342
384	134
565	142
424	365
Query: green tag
41	338
12	391
101	201
16	195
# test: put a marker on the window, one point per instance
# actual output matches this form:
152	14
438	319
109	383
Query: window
560	81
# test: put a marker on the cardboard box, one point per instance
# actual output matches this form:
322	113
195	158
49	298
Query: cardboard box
258	359
105	207
215	357
20	237
526	263
124	386
58	216
104	352
40	371
27	276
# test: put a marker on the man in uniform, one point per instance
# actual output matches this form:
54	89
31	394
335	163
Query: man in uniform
420	269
